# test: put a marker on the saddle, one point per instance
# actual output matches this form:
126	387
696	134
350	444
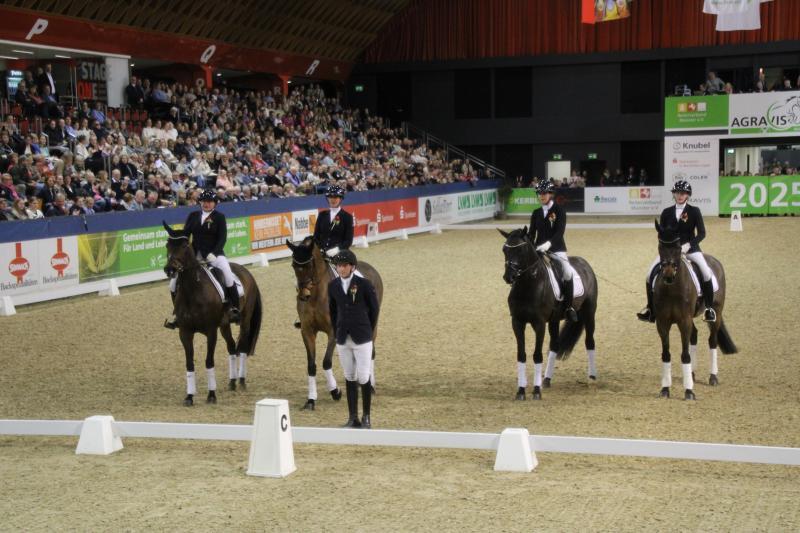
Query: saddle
555	272
218	280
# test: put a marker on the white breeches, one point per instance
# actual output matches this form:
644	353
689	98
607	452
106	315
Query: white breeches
566	268
355	359
697	258
221	262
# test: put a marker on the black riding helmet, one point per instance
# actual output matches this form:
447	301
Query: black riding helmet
545	186
682	186
345	257
208	196
335	191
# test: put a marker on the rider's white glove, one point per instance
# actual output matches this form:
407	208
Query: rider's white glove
685	247
543	247
332	251
210	258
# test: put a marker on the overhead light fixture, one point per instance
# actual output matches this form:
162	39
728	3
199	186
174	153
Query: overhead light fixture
219	73
23	51
133	64
63	57
8	57
290	81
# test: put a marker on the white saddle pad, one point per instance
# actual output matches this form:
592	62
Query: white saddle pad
220	290
577	283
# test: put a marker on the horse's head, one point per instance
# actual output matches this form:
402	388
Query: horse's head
303	265
519	253
669	252
180	254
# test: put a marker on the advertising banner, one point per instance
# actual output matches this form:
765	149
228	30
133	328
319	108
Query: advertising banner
696	112
391	215
38	265
461	207
760	195
522	201
694	159
237	243
303	223
757	114
623	200
269	233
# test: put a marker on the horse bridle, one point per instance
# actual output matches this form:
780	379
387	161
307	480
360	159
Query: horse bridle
669	262
516	271
307	283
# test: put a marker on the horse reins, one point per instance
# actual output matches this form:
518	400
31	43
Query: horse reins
517	272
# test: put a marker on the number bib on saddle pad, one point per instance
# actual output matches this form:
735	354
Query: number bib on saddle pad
577	283
693	270
213	274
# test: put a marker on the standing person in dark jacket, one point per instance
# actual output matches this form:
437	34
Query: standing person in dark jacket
334	228
687	221
354	313
209	231
547	233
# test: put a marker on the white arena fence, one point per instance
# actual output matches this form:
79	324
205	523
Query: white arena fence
424	439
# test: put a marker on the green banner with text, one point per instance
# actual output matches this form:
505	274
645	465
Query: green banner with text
760	195
696	112
522	201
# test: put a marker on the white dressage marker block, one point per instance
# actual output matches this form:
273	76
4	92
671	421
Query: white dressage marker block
437	230
112	290
271	452
362	243
7	306
736	221
403	236
514	452
262	260
97	436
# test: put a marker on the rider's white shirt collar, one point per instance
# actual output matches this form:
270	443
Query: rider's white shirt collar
334	212
346	282
546	207
204	215
679	210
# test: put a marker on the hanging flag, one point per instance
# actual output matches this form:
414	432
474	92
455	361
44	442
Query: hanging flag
734	15
593	11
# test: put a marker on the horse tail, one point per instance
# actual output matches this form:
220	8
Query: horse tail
255	323
568	337
725	341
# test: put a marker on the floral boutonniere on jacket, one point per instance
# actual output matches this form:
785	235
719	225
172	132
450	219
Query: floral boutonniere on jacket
552	218
353	291
685	216
335	221
208	222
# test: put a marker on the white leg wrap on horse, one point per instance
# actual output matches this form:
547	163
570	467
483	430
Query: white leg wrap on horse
191	384
537	374
312	387
232	366
242	365
522	379
688	382
592	365
551	364
666	375
714	368
329	379
211	375
173	284
693	355
372	372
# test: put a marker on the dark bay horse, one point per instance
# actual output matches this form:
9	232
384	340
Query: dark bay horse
675	301
313	276
532	301
199	309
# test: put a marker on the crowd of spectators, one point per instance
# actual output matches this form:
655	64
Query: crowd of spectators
247	146
578	180
775	168
715	85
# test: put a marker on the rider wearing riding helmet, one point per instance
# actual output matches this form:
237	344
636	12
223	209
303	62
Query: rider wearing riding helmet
687	221
208	230
334	229
547	233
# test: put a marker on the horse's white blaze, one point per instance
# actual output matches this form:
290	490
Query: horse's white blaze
211	375
232	366
693	355
191	384
312	387
551	364
330	380
592	364
666	374
537	374
688	381
242	365
522	379
714	368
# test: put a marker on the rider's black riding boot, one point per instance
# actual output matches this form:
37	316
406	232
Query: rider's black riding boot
708	299
648	313
352	404
172	321
233	299
366	399
569	311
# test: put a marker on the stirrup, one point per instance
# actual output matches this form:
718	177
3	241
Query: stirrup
646	315
171	322
709	315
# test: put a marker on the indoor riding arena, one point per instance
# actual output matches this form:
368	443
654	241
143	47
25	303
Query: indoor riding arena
436	133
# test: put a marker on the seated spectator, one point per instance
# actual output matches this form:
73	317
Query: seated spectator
33	209
97	113
5	213
786	85
714	85
57	208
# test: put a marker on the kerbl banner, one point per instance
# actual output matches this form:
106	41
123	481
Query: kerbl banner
522	201
760	195
38	265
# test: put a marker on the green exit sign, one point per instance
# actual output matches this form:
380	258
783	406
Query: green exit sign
358	88
592	156
557	157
